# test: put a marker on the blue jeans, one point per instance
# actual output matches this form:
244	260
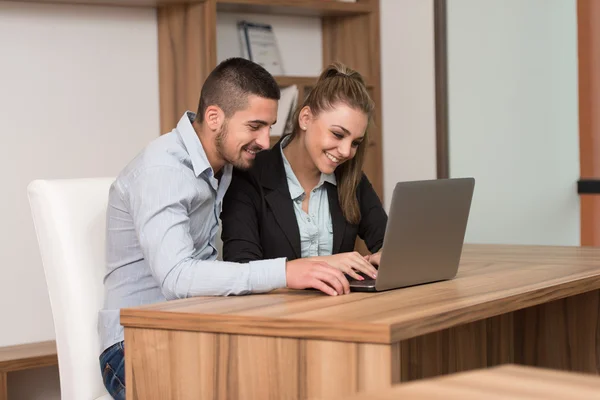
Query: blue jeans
112	365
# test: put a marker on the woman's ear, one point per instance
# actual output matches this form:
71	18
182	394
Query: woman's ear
305	118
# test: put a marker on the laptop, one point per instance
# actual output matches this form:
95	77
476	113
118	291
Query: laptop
424	234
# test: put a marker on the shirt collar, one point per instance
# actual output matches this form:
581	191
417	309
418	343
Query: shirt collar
193	145
295	187
330	178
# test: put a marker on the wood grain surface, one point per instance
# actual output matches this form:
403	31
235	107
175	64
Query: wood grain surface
563	334
492	280
165	364
30	355
499	383
282	7
295	7
588	54
187	52
3	386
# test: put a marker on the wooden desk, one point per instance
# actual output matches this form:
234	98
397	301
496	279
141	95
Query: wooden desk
509	304
507	382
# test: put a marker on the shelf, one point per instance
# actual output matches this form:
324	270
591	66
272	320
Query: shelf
273	7
295	7
120	3
301	81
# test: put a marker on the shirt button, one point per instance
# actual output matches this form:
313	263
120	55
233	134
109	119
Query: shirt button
308	219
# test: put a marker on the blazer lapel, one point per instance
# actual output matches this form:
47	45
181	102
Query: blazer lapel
337	218
278	196
283	210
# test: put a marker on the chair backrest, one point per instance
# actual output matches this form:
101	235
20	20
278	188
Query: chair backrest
69	217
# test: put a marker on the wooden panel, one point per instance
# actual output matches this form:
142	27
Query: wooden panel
423	356
562	334
384	366
284	81
372	166
492	280
529	256
341	39
331	368
590	219
588	25
295	7
343	35
359	332
470	346
500	340
3	386
184	365
26	356
306	81
114	3
500	383
186	55
283	7
255	355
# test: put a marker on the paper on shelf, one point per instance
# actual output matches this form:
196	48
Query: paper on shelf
259	44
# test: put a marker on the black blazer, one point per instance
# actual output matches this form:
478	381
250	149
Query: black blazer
259	221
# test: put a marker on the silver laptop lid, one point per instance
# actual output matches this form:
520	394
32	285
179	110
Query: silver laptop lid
425	232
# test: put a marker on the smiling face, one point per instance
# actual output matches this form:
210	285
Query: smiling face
246	132
333	136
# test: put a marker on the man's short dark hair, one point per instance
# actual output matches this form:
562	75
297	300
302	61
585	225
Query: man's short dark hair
230	83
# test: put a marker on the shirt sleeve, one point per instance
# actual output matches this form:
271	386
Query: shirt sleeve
160	199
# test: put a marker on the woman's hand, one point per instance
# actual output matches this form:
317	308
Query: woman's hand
374	258
349	263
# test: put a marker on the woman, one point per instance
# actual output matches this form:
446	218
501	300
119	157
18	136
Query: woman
308	196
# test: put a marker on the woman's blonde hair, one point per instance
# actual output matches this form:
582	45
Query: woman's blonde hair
339	84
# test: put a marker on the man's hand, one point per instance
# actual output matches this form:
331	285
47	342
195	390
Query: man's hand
349	263
306	273
374	258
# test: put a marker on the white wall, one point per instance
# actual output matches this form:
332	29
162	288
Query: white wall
408	92
514	117
78	98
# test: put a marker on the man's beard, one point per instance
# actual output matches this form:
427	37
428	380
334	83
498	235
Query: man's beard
237	162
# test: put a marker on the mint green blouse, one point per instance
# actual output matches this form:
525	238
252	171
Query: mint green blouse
316	228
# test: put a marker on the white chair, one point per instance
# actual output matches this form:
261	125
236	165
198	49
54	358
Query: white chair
69	217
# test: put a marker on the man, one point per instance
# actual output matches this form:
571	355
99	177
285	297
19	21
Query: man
162	216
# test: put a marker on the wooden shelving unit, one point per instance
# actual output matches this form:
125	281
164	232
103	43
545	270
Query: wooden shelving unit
187	36
284	81
281	7
187	53
321	8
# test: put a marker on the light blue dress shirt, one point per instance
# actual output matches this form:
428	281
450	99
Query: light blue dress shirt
316	228
161	224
